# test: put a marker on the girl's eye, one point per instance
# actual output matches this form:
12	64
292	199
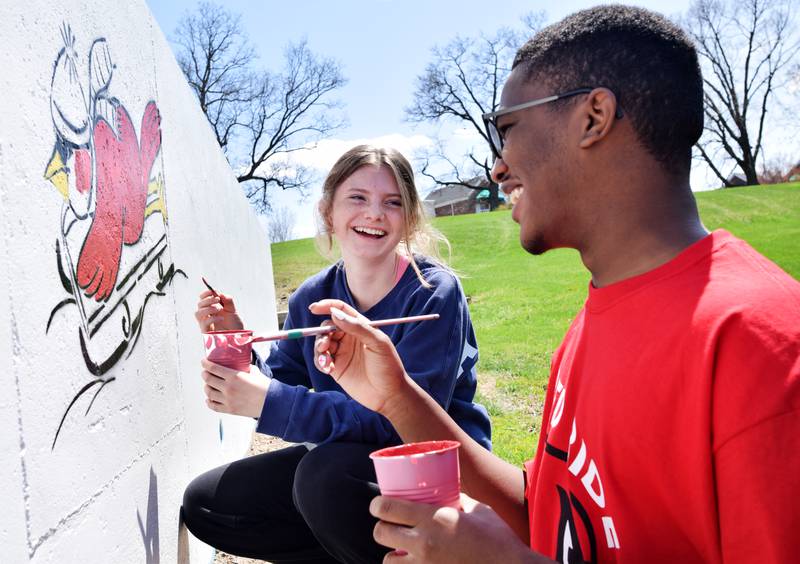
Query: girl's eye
395	203
357	197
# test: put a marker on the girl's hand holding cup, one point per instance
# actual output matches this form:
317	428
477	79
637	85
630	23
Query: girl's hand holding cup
238	392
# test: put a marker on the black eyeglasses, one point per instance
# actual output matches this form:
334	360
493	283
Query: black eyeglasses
490	118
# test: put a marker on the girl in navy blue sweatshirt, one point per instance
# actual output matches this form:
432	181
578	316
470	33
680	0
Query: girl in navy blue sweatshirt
309	503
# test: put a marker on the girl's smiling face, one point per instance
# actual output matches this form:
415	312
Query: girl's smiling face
367	216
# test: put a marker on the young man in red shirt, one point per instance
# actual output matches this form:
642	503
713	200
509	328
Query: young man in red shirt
671	424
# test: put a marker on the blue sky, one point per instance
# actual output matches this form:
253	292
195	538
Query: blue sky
383	45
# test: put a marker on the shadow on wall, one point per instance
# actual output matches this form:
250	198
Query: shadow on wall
149	530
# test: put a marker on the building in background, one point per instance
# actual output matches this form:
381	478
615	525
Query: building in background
458	199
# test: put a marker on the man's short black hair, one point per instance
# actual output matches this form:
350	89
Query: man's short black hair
647	61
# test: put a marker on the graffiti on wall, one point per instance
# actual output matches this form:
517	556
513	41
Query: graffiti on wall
111	252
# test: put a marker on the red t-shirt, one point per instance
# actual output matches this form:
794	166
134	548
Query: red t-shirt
671	428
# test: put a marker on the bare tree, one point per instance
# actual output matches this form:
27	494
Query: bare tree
745	46
781	168
463	81
258	117
293	111
790	108
217	60
281	224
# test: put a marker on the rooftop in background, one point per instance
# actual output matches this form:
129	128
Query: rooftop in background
458	199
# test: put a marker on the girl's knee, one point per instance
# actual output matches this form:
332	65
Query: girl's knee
331	475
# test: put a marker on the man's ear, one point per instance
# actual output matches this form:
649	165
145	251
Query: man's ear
600	112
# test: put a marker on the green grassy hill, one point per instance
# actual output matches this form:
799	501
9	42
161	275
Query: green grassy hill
522	305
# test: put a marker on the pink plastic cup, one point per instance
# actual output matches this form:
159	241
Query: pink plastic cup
229	348
426	472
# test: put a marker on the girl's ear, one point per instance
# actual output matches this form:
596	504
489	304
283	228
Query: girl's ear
324	217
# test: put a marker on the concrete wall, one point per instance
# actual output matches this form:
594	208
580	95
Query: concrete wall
115	200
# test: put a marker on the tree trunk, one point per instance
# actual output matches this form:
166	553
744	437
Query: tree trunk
494	196
750	173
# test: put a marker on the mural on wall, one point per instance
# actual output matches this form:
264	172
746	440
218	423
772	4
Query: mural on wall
111	257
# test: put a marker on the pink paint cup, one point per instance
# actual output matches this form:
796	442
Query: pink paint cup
426	472
229	348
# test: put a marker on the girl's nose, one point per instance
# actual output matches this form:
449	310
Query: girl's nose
374	210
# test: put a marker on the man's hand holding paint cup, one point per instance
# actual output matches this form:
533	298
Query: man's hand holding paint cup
425	472
426	533
417	480
424	517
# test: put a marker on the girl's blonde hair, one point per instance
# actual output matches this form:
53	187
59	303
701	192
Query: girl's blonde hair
418	237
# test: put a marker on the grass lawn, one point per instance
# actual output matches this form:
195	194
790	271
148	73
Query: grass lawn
522	305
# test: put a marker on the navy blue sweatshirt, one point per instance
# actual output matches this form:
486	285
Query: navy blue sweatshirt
439	355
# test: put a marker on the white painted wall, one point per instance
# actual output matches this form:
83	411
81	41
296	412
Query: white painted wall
109	488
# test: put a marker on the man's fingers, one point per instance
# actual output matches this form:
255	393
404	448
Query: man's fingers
325	323
323	307
394	536
349	320
358	327
325	344
400	511
325	363
468	504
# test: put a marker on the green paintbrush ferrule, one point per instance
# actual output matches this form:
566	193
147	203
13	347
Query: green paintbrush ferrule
294	334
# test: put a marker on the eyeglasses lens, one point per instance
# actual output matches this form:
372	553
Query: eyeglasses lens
494	137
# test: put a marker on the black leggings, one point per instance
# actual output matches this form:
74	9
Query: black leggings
290	505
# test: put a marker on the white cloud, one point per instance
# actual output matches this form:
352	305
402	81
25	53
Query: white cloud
324	154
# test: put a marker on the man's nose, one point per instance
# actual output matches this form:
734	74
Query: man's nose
499	170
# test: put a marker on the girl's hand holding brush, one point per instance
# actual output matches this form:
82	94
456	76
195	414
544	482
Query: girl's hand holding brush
217	312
